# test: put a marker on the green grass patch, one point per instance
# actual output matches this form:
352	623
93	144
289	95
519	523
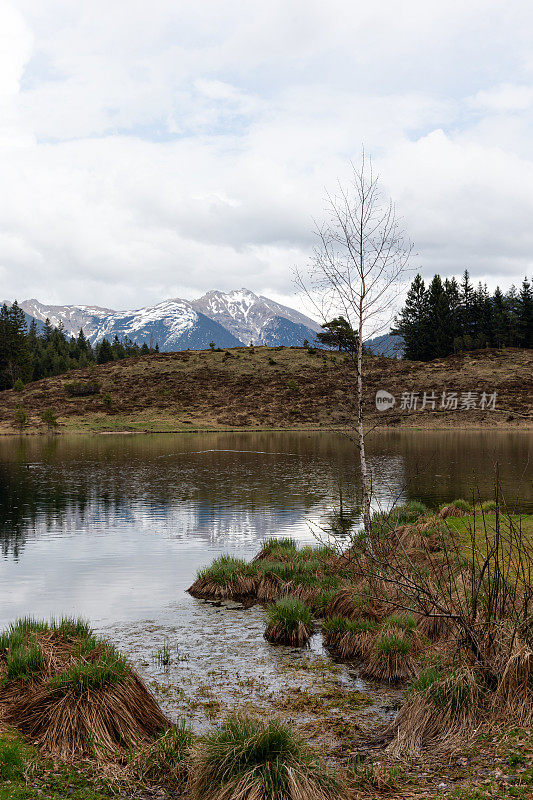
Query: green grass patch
389	644
460	504
289	612
405	514
406	622
277	549
250	758
12	758
167	760
109	668
225	568
454	690
23	662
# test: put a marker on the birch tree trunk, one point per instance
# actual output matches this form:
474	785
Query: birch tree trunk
357	265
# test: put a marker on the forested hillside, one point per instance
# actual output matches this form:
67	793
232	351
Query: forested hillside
28	353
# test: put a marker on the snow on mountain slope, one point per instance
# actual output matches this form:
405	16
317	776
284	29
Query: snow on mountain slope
72	317
257	319
228	319
173	324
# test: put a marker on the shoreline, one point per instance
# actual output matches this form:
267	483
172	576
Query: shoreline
520	426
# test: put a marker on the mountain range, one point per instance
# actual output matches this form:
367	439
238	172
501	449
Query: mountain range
228	319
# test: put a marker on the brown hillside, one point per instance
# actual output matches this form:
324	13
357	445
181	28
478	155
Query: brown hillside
273	387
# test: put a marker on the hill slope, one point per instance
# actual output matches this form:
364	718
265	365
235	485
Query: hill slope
275	387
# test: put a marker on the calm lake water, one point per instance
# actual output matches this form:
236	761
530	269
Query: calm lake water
114	528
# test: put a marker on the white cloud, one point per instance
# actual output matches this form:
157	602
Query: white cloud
157	149
505	97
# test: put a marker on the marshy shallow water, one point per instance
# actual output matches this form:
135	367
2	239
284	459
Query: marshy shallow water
114	528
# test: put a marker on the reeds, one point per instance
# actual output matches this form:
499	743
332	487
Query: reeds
289	622
247	759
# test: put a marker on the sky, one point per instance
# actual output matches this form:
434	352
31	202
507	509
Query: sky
161	149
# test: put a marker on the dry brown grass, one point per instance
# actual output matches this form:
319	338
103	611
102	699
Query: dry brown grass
84	716
360	600
247	759
451	511
98	724
438	716
211	391
513	698
295	637
240	587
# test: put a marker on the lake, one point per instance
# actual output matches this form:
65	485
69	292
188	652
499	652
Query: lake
114	528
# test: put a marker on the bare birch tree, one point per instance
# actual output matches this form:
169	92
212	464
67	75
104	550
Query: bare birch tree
355	271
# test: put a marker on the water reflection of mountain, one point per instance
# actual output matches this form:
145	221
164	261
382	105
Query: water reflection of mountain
233	487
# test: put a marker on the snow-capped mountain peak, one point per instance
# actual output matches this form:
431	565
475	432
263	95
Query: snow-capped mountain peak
229	319
256	319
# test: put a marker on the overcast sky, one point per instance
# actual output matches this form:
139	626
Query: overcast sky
161	148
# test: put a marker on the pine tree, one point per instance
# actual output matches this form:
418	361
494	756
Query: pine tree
500	322
48	330
19	363
412	322
82	342
466	303
118	349
513	307
104	352
525	315
441	343
5	382
340	334
453	298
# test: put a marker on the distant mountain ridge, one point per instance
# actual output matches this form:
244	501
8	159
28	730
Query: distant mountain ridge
227	319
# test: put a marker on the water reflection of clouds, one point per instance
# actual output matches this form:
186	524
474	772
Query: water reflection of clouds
133	568
109	530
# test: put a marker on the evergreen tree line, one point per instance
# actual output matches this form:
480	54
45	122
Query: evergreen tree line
447	317
27	354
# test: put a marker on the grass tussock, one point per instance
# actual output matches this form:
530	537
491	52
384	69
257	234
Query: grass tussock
349	639
72	693
441	706
457	508
358	601
167	760
226	578
391	659
289	622
246	759
283	549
